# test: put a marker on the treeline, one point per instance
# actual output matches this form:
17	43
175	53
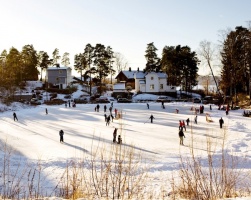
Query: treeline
100	62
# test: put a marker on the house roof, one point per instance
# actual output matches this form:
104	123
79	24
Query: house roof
129	74
139	75
58	68
142	82
159	74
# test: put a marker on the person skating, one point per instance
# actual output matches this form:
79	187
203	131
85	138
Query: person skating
108	120
15	116
61	134
119	140
181	135
115	111
98	107
210	107
195	119
188	120
221	121
147	106
180	125
112	117
105	117
151	117
115	135
105	108
184	125
110	109
46	111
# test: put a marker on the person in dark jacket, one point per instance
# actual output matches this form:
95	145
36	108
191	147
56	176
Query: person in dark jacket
188	120
108	119
46	111
61	134
97	107
119	140
115	135
15	116
104	108
147	106
181	135
221	121
151	117
105	117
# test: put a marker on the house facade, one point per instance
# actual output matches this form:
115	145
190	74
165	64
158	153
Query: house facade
149	82
59	76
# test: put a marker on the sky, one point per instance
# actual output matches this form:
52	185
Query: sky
127	26
35	136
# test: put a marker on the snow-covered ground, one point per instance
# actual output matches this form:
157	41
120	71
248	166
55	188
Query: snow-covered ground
35	136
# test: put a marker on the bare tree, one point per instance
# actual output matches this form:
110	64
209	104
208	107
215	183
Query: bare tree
207	54
120	62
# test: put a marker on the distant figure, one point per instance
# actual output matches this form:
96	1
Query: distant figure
181	135
115	135
65	104
188	120
184	125
162	104
108	119
112	117
221	121
151	117
177	111
46	111
112	104
104	108
69	103
61	134
105	117
110	109
147	106
180	125
227	109
210	107
119	140
98	107
195	119
115	111
15	116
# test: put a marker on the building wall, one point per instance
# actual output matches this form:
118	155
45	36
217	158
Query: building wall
59	76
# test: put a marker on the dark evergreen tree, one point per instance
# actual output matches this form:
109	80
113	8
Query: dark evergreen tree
80	63
236	61
180	64
153	62
43	61
29	63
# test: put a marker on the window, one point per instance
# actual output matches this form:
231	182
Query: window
161	86
151	77
152	87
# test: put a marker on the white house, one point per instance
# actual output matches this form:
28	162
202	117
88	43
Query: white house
60	76
152	82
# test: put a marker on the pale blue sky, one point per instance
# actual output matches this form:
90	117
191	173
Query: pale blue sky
127	26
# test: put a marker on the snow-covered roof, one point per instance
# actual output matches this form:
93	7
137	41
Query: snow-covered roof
58	68
159	74
139	75
129	74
